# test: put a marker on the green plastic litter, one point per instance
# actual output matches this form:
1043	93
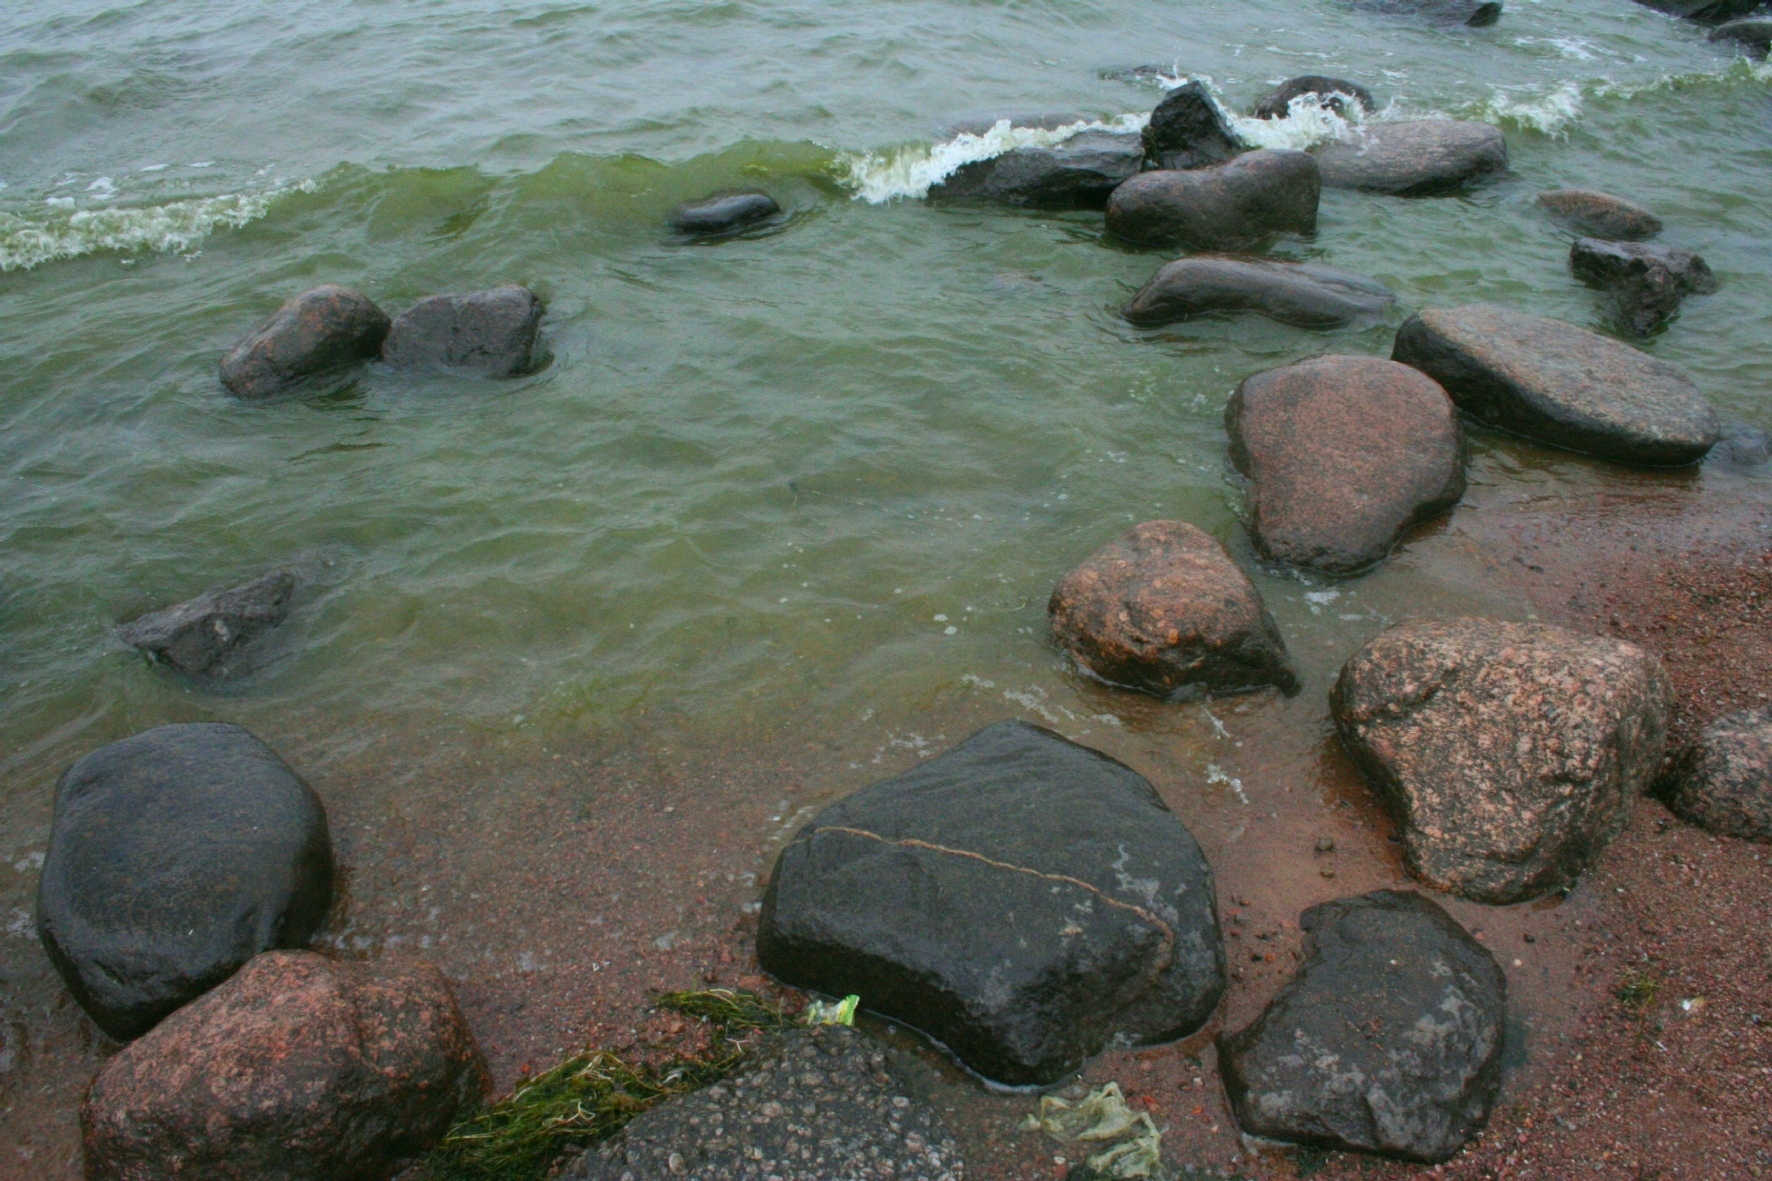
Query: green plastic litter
1097	1118
840	1013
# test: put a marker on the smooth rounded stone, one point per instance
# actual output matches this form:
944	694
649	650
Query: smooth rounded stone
1509	754
1723	782
1333	94
1753	33
1301	294
204	635
1165	610
1076	174
1415	159
1599	215
1646	282
823	1104
299	1068
174	857
1475	14
496	333
1560	384
1344	455
1388	1040
1230	206
1023	900
314	334
1707	12
1743	445
1187	130
724	213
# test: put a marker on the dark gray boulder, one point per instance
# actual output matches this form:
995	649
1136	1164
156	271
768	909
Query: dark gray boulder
1334	94
204	635
723	213
1475	14
1232	206
1417	159
1645	282
1560	384
1600	215
1707	12
314	335
495	333
1076	174
1723	782
1388	1040
1187	130
1753	34
174	857
1743	445
1301	294
1021	899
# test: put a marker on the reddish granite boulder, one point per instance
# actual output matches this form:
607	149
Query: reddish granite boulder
299	1068
317	332
1415	159
1600	215
1165	610
1231	206
1344	455
1723	782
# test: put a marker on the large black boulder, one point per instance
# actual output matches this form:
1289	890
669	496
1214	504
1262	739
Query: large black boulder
1187	130
1076	174
1332	93
203	636
1021	899
312	336
1230	206
1388	1040
175	856
496	333
1646	282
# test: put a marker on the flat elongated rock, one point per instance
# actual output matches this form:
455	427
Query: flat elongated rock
1510	754
1646	282
1165	610
723	213
496	333
1076	174
1706	12
174	857
1599	215
1301	294
1344	455
1388	1040
1228	207
1416	159
1723	782
1753	33
1187	130
1560	384
1021	899
317	333
1476	14
1333	94
201	636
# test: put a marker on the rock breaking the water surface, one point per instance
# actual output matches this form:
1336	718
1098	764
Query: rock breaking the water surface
1333	93
1646	282
1187	130
203	635
1599	215
1301	294
1230	206
1078	173
1415	159
724	213
495	333
317	333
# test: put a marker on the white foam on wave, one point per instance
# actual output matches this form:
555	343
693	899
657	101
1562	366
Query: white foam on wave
911	170
1548	113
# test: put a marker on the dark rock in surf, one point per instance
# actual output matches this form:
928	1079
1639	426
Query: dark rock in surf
1388	1040
1022	899
1742	445
1076	174
1707	12
1166	611
1332	94
1301	294
203	636
1599	215
174	857
1475	14
1344	455
1230	206
1723	782
1754	34
1415	159
495	333
724	213
317	333
1187	130
1560	384
1646	282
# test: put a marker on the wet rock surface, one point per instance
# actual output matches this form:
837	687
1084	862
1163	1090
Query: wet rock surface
1560	384
299	1068
724	213
1645	282
175	856
1753	33
824	1104
1021	899
1509	754
1388	1040
1475	14
1723	782
1076	174
1227	207
1187	130
1301	294
1600	215
1165	610
1416	159
1334	94
496	333
1344	455
1706	12
1743	445
203	636
315	334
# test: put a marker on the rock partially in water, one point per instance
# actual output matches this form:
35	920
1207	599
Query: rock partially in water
1021	899
174	857
299	1068
1475	14
1301	294
723	213
1707	12
495	333
1231	206
204	635
1417	159
1510	754
822	1104
1560	384
1754	34
1187	130
1334	94
1344	455
313	335
1723	782
1076	174
1388	1040
1165	610
1646	283
1743	445
1599	215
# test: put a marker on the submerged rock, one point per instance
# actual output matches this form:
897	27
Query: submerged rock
299	1069
1344	455
318	332
1076	174
1165	610
174	857
1754	34
1598	215
1187	130
1560	384
1706	12
1388	1040
1301	294
1333	93
203	635
1743	445
496	333
1723	782
1646	282
1416	159
1476	14
1230	206
723	213
1509	754
1021	899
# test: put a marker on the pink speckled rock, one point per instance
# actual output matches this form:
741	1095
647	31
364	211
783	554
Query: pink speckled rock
1723	782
